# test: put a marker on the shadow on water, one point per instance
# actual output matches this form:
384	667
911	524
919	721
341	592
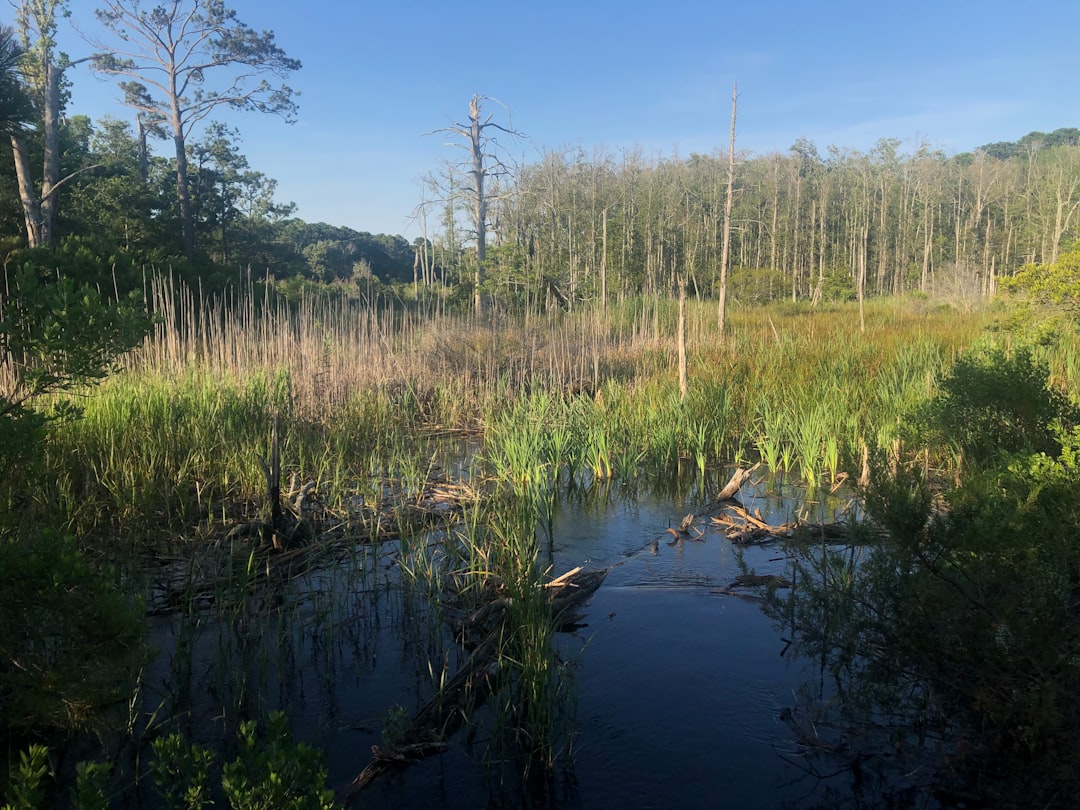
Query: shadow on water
677	688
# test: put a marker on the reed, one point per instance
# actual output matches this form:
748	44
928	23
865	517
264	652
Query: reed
176	438
365	395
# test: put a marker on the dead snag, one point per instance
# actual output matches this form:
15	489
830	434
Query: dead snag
738	478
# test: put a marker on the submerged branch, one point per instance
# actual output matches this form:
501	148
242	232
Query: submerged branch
476	680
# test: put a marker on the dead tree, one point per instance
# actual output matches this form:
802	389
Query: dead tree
484	163
725	253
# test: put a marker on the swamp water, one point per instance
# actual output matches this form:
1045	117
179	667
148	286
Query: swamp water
675	688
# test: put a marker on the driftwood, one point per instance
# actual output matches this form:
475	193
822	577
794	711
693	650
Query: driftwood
759	580
744	529
428	729
731	489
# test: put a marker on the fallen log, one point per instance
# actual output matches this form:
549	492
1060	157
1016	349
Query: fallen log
742	528
743	581
738	478
436	720
428	729
758	580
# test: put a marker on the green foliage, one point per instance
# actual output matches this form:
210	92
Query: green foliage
965	618
182	772
91	779
756	286
272	771
80	642
25	789
995	403
395	721
55	336
15	105
1006	150
275	773
1056	284
837	285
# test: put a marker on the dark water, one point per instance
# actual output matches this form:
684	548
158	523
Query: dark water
676	694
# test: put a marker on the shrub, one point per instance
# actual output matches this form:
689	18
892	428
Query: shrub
965	618
74	643
994	404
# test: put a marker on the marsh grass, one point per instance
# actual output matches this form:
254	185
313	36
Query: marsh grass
168	454
177	437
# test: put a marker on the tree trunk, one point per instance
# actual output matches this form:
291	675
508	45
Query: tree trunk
30	203
183	194
603	261
725	252
480	202
861	282
144	158
51	162
683	382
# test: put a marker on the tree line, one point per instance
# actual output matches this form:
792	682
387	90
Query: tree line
94	191
568	228
580	226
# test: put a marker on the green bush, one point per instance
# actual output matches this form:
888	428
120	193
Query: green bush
56	336
272	772
965	618
994	404
74	642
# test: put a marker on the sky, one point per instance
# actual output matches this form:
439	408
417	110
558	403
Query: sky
379	76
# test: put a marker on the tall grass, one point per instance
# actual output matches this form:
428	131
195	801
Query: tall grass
360	388
177	439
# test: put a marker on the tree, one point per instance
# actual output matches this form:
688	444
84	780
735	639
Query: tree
726	250
15	106
483	164
42	71
170	53
121	208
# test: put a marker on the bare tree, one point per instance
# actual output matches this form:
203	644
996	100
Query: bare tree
725	251
169	55
484	163
42	70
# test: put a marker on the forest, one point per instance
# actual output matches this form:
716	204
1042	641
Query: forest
280	493
804	223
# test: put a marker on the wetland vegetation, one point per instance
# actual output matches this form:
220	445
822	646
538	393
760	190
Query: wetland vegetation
291	513
428	483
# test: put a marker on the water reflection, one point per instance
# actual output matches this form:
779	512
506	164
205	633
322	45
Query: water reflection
678	689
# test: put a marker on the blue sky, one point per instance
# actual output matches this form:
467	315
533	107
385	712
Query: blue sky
657	76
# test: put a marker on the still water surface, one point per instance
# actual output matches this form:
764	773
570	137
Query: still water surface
677	688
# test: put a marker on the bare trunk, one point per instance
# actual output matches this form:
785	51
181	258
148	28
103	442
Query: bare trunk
861	284
183	195
725	252
416	274
795	246
603	262
683	383
183	190
31	205
144	160
51	163
479	199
